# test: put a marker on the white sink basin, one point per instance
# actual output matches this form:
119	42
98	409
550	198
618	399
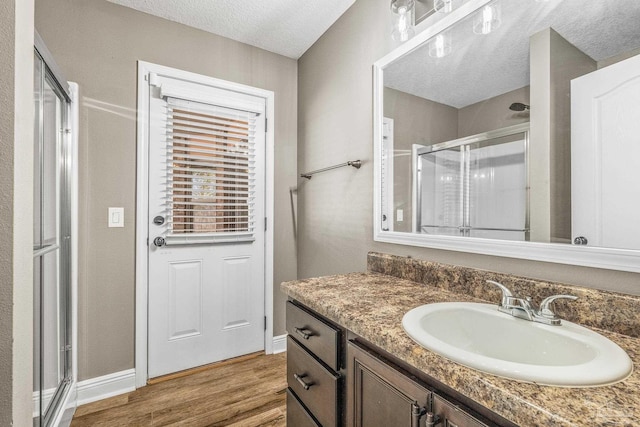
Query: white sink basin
481	337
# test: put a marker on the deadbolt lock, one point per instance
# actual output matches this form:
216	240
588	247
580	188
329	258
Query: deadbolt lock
580	240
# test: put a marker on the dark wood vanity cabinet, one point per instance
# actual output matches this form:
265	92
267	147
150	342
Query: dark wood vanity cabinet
382	395
337	379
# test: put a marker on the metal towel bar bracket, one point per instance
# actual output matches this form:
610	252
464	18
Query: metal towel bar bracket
355	163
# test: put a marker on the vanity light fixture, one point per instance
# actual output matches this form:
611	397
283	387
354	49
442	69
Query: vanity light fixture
403	27
443	6
487	20
440	46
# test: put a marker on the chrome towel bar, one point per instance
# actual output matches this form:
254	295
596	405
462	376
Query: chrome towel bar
355	163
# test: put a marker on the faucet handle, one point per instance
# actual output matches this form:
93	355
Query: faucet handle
545	309
506	293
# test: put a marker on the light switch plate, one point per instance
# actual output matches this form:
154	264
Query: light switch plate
399	215
116	217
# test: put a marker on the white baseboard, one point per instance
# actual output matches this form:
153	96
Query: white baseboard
280	344
110	385
63	418
46	399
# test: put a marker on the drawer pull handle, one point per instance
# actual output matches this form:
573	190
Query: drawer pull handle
304	333
303	383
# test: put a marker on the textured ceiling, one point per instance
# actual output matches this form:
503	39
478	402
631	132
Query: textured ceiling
286	27
484	66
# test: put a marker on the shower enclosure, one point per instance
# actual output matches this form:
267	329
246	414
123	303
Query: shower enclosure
52	267
474	186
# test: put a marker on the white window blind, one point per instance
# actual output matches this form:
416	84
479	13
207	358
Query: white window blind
211	161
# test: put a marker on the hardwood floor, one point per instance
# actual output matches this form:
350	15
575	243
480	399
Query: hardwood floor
244	392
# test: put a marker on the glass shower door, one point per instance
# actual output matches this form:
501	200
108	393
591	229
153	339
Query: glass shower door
441	192
51	256
498	190
475	186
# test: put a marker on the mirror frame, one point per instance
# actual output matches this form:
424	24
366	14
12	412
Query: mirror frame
596	257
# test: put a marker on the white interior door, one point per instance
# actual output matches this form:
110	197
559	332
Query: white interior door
386	175
605	148
206	225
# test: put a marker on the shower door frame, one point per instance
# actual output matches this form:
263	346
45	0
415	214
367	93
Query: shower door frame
62	404
418	151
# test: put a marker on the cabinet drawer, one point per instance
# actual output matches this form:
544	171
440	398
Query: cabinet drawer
313	384
297	415
317	336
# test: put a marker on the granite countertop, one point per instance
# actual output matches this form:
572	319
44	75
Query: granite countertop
372	306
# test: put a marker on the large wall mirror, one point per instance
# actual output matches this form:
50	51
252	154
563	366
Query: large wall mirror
512	128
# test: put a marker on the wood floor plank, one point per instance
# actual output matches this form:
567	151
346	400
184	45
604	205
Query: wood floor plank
275	417
243	392
112	402
192	371
221	406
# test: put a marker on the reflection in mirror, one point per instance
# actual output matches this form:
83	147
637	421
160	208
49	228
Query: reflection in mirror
519	122
474	186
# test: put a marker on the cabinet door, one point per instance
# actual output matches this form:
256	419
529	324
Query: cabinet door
452	415
379	395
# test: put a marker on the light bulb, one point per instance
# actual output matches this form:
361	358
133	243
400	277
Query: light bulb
487	20
402	20
440	46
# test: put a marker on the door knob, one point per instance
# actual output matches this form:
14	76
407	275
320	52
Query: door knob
159	242
580	240
159	220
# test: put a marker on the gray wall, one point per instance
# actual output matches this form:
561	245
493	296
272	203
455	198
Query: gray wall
554	62
335	124
416	121
567	63
97	44
493	113
617	58
16	206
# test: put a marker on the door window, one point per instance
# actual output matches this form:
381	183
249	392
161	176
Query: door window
211	169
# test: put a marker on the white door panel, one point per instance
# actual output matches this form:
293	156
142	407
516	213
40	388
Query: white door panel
236	289
605	146
206	300
185	295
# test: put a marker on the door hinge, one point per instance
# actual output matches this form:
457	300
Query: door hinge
265	323
265	223
147	241
266	122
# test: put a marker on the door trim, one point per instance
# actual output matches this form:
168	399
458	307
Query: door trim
142	194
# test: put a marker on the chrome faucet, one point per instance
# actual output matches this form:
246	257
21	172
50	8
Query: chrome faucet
523	309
